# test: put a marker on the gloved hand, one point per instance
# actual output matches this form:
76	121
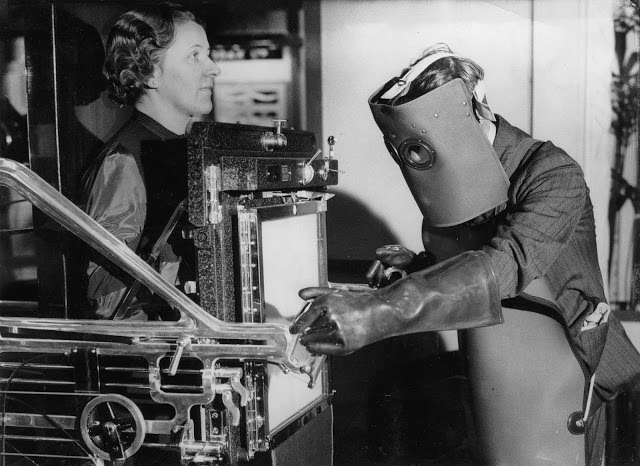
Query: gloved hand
337	322
394	262
461	292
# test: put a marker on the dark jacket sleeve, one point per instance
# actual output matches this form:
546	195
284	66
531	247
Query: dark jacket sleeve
116	200
547	198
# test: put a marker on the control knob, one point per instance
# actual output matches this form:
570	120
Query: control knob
304	173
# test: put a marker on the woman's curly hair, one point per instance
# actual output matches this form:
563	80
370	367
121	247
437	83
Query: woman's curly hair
135	43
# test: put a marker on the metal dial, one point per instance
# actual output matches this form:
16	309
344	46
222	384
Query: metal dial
112	426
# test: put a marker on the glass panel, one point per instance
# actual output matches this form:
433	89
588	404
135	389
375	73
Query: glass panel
290	261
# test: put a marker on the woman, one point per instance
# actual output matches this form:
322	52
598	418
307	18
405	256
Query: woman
157	59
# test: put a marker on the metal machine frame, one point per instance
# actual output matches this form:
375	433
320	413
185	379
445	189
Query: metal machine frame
251	244
225	350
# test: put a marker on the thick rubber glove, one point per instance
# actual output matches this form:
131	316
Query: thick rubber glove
461	292
394	262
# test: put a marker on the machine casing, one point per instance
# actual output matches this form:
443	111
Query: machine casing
227	382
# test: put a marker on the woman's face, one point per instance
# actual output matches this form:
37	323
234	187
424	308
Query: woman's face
185	72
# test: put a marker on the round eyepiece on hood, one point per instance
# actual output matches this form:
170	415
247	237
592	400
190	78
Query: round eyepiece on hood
417	153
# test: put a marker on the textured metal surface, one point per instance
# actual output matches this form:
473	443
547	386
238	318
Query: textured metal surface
216	266
228	269
245	166
197	200
255	173
225	136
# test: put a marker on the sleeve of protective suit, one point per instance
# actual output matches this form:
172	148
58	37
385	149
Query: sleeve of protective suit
117	200
547	198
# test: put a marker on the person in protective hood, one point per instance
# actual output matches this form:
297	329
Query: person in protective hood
502	214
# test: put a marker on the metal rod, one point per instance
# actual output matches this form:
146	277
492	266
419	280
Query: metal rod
43	455
39	421
43	196
16	380
31	365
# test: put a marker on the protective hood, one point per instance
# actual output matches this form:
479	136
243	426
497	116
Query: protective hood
451	168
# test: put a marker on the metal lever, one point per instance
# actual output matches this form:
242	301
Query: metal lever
305	171
318	152
234	375
279	124
314	370
227	400
182	343
332	141
325	170
239	388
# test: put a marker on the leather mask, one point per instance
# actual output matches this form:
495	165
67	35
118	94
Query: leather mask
449	165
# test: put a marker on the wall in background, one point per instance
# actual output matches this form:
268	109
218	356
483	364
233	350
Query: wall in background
573	57
366	43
